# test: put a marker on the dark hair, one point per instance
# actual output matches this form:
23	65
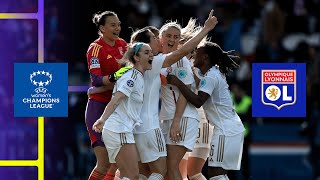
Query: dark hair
99	19
217	56
153	29
141	35
132	50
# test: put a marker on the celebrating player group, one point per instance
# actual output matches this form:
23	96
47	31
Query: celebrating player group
159	106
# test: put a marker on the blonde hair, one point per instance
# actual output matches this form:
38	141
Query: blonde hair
165	27
191	30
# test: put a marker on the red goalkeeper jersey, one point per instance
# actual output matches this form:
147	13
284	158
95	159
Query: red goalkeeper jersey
102	61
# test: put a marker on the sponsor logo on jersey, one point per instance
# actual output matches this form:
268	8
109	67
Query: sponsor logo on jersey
94	63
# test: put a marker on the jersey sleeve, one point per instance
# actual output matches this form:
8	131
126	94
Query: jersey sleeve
94	57
184	72
126	84
208	84
157	63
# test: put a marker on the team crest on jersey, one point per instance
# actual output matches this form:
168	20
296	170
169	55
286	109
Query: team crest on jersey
121	50
182	73
278	88
130	83
203	82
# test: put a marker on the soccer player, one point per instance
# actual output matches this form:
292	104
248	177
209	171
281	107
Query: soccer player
192	163
214	96
149	138
179	119
102	64
122	113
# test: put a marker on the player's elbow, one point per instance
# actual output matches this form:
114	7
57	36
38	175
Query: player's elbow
96	80
197	104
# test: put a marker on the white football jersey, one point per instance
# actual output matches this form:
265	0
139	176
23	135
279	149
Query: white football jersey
170	93
127	115
219	108
150	108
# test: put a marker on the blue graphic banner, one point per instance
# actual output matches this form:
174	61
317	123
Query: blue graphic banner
40	89
278	90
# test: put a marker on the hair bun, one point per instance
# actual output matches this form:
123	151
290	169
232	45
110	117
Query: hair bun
96	18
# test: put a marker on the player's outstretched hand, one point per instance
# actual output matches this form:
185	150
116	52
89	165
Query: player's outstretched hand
98	125
121	71
211	22
117	75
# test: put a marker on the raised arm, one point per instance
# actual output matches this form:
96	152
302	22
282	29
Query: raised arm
191	44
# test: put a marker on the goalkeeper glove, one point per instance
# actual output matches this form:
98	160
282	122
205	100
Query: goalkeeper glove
115	76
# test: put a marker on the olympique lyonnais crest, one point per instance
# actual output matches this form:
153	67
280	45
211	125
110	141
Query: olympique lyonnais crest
278	87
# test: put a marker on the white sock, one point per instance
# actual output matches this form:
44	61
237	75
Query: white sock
155	176
142	177
198	176
117	174
220	177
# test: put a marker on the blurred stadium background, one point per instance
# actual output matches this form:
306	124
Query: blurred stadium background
259	30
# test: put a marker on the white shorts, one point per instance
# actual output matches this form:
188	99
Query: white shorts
205	131
114	141
226	151
189	130
202	153
151	145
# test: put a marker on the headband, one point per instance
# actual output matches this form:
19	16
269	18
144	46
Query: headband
137	48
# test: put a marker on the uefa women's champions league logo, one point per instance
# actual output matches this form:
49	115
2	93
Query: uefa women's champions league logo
40	79
40	89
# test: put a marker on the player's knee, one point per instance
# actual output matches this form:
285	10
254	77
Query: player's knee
193	170
105	165
173	164
134	172
160	169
